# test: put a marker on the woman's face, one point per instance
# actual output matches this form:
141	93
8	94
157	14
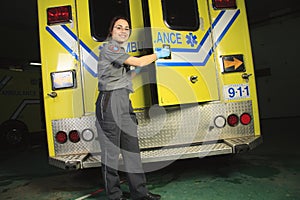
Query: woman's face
120	31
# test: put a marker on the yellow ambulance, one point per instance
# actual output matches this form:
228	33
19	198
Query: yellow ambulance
20	103
199	102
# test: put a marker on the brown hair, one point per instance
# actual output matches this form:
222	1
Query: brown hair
112	24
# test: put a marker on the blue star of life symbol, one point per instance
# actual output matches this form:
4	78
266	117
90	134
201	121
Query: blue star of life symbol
191	39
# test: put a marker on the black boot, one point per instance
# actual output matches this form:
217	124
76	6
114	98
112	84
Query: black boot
151	196
125	196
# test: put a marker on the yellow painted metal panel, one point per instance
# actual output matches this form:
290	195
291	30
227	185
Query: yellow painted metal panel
178	87
55	57
173	76
237	41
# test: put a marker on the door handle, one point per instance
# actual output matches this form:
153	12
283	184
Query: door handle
52	94
193	79
246	76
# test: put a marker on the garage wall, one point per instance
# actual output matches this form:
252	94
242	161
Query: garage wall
276	48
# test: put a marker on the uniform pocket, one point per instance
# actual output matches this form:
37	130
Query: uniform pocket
110	130
108	126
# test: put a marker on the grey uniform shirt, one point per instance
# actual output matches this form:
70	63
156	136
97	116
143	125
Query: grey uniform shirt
112	73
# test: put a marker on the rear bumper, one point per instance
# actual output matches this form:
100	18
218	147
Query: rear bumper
226	146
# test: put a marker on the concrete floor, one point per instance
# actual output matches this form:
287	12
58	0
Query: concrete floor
270	172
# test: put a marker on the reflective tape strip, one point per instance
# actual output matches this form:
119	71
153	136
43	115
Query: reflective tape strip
89	58
21	107
4	81
223	24
65	39
69	41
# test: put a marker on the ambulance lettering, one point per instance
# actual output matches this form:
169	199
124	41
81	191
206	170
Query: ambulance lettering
168	38
134	46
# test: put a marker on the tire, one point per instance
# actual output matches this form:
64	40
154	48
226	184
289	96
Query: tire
14	134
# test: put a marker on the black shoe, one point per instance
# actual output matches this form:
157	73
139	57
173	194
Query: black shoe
125	195
151	196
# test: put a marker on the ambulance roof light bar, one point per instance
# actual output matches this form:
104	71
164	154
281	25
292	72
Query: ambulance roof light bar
59	15
224	4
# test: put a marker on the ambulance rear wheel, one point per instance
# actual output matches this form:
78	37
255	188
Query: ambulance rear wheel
14	134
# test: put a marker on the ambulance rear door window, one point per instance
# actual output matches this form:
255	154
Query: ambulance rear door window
181	15
102	12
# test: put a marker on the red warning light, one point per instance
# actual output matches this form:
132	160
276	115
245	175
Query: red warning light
74	136
245	118
223	4
61	137
233	120
58	15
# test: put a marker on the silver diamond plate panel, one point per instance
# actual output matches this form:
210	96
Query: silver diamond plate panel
79	124
190	124
161	126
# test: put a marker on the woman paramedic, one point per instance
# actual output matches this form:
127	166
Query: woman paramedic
117	128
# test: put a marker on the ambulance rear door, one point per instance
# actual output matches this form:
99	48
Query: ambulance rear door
94	18
190	74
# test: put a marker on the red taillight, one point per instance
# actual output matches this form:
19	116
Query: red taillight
245	118
233	120
61	137
74	136
221	4
57	15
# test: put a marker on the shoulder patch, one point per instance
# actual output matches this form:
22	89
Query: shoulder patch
113	48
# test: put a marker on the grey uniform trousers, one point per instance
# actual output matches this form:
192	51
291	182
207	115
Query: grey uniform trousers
118	134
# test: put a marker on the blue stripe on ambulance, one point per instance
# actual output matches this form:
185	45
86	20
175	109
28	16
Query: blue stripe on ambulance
223	22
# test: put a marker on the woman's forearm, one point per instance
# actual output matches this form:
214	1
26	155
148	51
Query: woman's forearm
141	61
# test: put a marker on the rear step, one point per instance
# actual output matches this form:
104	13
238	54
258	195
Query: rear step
227	146
243	144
